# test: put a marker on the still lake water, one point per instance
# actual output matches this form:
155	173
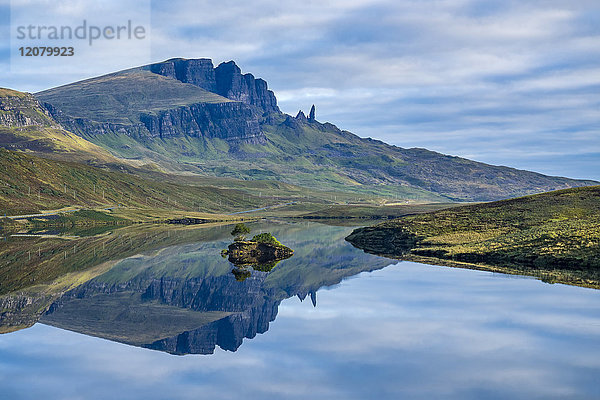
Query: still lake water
329	323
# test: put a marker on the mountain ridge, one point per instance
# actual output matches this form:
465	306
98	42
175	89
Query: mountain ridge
243	134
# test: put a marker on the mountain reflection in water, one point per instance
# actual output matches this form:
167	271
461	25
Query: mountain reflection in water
184	299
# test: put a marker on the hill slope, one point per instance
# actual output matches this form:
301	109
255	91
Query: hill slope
29	184
133	92
246	136
26	126
553	235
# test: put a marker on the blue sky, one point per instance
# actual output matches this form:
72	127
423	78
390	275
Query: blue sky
505	82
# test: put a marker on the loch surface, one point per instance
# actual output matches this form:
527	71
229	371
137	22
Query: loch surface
331	322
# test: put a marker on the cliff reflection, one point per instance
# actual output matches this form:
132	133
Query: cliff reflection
184	299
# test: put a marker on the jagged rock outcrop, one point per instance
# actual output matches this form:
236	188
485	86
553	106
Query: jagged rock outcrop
199	72
227	333
249	252
312	114
230	121
19	109
226	80
301	116
245	88
251	303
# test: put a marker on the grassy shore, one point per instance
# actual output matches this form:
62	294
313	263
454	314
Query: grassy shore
554	236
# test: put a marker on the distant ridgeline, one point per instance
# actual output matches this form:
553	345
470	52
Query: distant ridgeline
188	116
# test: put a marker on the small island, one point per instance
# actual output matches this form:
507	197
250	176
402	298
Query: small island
261	253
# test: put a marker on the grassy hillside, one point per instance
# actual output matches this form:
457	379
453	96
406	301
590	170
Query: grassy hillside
29	184
26	126
553	235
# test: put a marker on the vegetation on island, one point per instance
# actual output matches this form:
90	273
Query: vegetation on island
239	232
554	236
261	253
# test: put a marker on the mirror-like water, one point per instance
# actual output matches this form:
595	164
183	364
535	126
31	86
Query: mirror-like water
329	322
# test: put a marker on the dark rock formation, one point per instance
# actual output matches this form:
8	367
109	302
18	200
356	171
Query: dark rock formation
388	241
249	300
253	253
226	80
311	115
199	72
227	333
230	121
245	88
301	116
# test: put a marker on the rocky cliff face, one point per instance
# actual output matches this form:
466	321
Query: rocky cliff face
227	333
88	128
226	80
253	307
199	72
21	310
206	294
245	88
234	122
22	109
230	121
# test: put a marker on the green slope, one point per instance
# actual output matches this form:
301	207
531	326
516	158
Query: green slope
553	235
29	184
26	126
